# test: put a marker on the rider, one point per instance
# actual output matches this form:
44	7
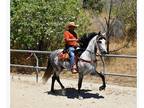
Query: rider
71	41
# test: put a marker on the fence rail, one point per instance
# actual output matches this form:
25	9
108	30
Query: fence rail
27	66
30	51
48	52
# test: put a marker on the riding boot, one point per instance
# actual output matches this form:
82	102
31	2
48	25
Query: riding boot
74	69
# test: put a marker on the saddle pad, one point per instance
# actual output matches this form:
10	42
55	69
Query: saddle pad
63	56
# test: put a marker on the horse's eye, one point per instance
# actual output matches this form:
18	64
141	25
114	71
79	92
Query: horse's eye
99	42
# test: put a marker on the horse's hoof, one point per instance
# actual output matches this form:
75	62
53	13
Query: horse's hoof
63	87
52	91
80	97
102	88
63	92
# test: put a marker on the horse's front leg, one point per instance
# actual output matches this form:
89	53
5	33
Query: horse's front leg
79	85
103	80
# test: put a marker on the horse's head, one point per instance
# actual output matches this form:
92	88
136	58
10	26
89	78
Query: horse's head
101	43
85	40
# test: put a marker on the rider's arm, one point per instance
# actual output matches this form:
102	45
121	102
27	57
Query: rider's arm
67	39
70	40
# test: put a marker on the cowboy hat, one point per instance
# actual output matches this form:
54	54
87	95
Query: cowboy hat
70	24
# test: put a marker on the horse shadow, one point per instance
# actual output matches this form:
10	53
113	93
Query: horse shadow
72	93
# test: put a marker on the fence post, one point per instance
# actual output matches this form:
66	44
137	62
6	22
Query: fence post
37	65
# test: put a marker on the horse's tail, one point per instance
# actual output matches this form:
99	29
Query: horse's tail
48	72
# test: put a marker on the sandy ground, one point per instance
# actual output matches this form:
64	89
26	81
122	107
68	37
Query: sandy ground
26	93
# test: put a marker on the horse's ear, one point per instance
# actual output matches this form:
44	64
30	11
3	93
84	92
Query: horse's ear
99	33
104	33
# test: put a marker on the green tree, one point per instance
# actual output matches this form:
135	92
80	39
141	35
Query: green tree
39	24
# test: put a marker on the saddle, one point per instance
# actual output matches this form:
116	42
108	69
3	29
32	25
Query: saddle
63	56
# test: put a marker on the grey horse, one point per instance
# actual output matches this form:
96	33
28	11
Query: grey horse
86	62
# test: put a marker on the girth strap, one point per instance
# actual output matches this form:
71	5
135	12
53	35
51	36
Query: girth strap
88	61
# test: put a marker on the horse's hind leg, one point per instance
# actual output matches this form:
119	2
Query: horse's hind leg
56	77
103	80
63	90
58	80
53	81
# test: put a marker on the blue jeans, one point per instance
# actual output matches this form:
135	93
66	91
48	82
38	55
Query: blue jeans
72	55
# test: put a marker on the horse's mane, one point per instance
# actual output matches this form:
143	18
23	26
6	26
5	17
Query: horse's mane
85	39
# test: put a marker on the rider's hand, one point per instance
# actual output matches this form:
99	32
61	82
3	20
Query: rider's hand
77	40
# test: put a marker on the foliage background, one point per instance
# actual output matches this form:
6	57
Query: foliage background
39	24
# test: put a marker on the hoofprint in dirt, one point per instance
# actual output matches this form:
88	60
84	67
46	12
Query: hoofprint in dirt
26	93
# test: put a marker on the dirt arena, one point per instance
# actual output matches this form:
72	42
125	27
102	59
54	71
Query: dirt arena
26	93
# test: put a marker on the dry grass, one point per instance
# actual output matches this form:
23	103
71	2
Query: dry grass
125	48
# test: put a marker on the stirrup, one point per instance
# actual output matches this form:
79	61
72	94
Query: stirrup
74	71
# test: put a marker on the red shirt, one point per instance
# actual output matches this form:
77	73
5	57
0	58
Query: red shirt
68	35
